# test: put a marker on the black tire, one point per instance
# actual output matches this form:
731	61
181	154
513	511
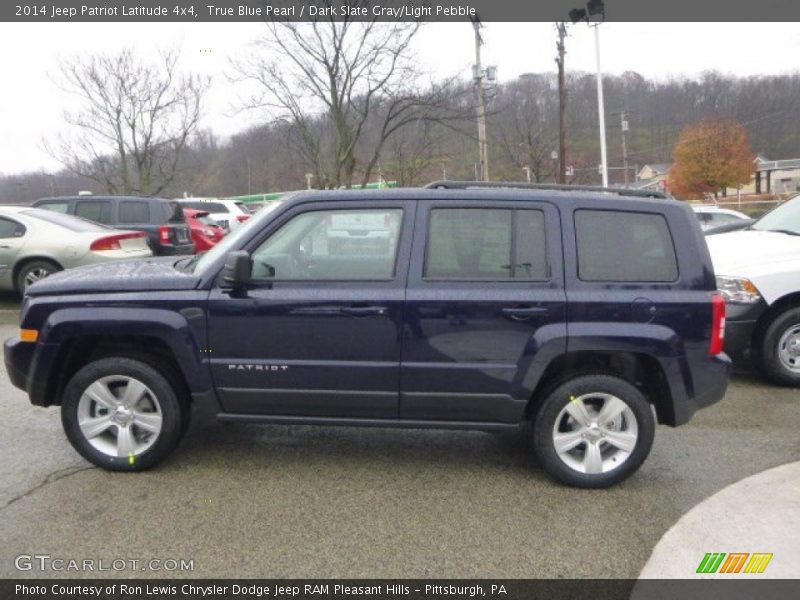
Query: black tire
768	349
46	268
584	386
173	413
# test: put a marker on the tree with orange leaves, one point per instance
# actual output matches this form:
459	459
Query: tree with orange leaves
709	157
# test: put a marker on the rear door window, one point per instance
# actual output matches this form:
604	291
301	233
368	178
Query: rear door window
624	246
486	244
98	211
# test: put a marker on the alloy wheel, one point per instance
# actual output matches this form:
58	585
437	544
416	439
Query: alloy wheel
595	433
119	416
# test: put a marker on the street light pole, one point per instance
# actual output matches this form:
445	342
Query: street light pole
601	107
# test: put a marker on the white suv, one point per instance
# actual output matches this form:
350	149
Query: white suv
758	274
228	213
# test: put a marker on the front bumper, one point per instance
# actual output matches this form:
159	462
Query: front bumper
18	356
740	323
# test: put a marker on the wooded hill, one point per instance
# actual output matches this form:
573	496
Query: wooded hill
522	128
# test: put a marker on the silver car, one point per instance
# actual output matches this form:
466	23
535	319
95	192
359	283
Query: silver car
35	243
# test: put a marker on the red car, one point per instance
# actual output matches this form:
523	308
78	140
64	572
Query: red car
205	231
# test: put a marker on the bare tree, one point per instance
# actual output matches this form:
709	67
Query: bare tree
527	130
134	122
333	81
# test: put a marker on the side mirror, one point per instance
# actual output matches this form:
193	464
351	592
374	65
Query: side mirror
238	269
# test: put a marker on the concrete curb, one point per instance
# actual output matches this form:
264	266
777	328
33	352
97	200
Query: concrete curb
757	514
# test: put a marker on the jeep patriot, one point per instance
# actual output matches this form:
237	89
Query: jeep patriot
589	315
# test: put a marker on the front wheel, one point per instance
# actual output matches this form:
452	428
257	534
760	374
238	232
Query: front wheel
593	431
778	353
121	414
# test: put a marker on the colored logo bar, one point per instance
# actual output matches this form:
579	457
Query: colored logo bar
734	562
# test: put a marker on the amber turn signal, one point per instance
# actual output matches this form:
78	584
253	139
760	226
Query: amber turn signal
28	335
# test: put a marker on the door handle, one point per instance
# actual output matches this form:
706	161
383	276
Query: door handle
521	313
363	311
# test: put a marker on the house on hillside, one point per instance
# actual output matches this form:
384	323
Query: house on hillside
777	176
655	171
653	176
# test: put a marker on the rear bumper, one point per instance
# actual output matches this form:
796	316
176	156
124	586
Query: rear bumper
710	386
173	249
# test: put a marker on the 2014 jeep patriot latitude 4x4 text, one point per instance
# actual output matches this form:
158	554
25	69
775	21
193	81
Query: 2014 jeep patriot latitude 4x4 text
590	315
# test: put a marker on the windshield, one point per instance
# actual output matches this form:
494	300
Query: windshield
201	262
784	218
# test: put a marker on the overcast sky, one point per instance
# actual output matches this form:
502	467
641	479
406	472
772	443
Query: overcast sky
31	104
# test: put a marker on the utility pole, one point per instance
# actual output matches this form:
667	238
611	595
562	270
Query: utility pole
623	125
562	101
483	149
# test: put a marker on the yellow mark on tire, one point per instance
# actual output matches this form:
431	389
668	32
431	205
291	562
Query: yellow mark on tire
131	458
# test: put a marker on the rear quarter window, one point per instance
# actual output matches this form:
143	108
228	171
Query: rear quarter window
134	211
624	246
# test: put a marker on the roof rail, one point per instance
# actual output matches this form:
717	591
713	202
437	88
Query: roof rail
445	184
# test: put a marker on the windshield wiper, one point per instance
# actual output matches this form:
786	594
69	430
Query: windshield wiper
187	264
786	231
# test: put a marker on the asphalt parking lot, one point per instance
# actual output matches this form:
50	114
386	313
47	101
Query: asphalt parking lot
277	501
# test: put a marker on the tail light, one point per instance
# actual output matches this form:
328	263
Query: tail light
112	242
242	218
163	234
717	325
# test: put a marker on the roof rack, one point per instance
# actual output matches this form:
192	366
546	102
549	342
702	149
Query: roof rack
445	184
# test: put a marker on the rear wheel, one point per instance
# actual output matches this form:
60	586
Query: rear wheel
593	431
778	353
34	271
122	414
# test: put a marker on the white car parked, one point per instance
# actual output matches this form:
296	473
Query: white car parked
713	216
758	274
228	213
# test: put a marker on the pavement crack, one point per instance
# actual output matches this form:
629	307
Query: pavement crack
51	478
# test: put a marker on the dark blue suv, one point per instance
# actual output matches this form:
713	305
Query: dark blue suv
589	315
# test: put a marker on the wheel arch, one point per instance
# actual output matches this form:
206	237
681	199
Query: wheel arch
18	266
161	338
782	304
643	371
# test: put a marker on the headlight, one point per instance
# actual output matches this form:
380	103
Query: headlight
208	232
737	289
